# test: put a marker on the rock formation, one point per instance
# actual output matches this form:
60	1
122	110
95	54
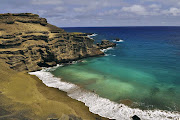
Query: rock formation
28	42
135	117
105	44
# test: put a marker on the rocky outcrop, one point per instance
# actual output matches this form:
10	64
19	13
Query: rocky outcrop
22	17
135	117
105	44
28	42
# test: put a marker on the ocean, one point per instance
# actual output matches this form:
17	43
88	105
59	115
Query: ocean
142	72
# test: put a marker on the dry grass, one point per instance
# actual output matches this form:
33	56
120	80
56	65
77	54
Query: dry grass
21	27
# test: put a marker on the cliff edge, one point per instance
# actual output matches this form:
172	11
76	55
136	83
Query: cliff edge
28	42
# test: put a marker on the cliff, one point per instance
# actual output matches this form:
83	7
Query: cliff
28	42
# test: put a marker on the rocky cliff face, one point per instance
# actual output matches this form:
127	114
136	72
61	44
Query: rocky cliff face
28	42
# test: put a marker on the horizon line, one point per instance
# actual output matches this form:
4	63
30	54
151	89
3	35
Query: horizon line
114	26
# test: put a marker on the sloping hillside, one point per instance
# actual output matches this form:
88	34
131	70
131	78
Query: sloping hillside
25	97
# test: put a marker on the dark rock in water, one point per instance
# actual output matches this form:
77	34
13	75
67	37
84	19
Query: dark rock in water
135	117
117	39
98	44
89	33
105	44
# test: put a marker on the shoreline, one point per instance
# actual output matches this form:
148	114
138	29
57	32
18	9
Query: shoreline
29	43
102	106
23	96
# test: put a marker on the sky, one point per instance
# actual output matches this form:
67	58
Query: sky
91	13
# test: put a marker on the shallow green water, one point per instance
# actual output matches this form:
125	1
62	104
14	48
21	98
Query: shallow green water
118	83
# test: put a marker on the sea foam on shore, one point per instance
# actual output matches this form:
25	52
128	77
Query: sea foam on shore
102	106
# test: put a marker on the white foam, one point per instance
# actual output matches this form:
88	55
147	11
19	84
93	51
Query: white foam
102	106
118	40
107	54
105	50
93	35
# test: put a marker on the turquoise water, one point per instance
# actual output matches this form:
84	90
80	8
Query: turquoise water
144	68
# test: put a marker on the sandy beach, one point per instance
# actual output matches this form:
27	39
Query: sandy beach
25	97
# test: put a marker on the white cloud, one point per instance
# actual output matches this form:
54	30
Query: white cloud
137	9
162	2
47	2
172	11
155	7
102	11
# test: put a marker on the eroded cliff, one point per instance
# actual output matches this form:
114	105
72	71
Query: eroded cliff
28	42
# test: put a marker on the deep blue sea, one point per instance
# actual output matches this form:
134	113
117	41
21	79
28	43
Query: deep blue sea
144	70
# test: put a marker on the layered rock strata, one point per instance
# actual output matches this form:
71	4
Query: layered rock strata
28	42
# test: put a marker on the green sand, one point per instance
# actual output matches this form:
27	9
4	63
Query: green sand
23	96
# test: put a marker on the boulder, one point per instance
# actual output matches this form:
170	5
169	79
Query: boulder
105	44
135	117
117	39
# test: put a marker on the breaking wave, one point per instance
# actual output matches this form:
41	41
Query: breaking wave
105	50
102	106
93	35
118	40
